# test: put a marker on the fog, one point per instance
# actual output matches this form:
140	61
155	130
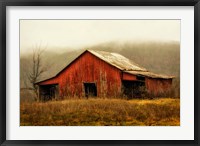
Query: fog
63	35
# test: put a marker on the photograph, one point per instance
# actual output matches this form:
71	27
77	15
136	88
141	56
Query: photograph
99	72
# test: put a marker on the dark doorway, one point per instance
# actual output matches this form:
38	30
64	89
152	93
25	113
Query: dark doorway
133	89
48	92
90	90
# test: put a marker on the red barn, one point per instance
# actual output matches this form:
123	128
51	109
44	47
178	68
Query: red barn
103	74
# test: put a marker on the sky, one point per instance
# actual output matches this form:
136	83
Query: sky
78	34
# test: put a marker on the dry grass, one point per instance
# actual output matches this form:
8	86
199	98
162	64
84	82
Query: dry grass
101	112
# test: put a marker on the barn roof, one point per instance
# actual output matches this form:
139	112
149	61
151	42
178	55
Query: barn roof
116	60
149	74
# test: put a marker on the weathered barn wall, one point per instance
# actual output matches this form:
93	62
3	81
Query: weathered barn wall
158	86
128	77
88	68
50	81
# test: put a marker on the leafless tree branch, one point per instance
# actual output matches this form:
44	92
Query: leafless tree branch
38	68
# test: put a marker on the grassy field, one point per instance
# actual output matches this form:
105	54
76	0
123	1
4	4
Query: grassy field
101	112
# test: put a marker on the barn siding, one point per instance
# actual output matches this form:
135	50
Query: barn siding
88	68
50	81
158	86
129	77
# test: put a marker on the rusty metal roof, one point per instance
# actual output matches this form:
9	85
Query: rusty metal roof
149	74
117	60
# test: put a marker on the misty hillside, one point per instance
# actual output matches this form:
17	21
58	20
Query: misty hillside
161	58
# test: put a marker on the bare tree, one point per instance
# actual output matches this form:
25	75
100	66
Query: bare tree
38	68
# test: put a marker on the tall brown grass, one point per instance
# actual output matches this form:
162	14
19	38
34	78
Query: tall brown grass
101	112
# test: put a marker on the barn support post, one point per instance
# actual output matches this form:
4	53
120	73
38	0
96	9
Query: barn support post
57	92
38	95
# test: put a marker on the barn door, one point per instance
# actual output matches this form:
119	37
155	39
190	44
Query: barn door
54	91
48	92
90	89
133	89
